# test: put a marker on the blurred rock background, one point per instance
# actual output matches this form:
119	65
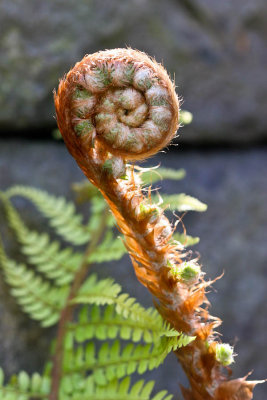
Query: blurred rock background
217	52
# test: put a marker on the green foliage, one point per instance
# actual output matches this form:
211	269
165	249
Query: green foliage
106	291
113	361
24	387
152	175
108	324
61	214
136	339
46	255
185	240
35	296
114	390
181	202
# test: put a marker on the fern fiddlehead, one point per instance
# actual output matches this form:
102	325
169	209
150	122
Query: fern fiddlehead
120	105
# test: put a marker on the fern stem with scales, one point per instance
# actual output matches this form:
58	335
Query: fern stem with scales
119	105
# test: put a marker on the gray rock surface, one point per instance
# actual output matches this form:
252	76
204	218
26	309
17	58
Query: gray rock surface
216	49
233	240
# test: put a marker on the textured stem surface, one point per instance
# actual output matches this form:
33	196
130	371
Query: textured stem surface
120	105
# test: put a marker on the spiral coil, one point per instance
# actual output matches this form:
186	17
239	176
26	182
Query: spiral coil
122	99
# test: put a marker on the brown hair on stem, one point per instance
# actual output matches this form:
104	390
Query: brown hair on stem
119	105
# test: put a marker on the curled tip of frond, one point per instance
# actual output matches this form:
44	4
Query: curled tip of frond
119	101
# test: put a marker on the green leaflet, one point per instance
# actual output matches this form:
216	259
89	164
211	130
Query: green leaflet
114	390
98	206
61	214
107	324
97	292
55	264
181	202
35	296
185	240
109	250
106	291
113	361
24	387
85	191
152	175
75	387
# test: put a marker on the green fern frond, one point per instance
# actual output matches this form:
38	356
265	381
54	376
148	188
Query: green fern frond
36	297
85	191
24	387
107	324
181	202
109	250
61	214
98	207
152	175
98	292
185	240
113	362
106	291
57	265
114	390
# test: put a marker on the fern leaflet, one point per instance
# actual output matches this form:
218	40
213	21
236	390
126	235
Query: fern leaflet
109	250
24	387
109	325
61	214
152	175
106	291
113	362
181	202
185	240
36	297
114	390
57	265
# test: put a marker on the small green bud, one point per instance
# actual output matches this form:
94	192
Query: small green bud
189	272
148	210
224	354
185	117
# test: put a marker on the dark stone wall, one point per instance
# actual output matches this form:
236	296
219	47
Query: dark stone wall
217	51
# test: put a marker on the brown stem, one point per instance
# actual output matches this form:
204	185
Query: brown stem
68	310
